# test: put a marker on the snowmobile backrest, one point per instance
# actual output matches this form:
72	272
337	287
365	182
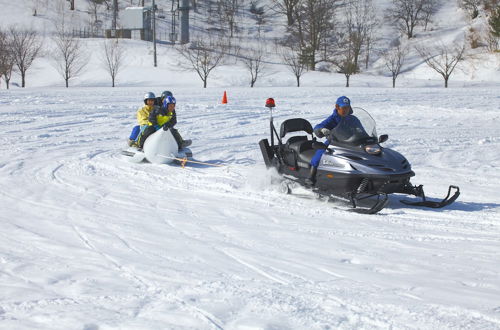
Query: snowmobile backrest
295	125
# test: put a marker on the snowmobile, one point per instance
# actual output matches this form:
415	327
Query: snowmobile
354	167
159	148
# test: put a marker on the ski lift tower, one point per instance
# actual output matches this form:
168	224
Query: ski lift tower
184	9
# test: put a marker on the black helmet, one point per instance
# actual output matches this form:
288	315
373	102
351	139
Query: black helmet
164	94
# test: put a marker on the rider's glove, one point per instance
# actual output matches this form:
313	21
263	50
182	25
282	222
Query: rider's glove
325	131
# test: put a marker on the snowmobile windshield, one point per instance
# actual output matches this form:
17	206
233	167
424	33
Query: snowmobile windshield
356	128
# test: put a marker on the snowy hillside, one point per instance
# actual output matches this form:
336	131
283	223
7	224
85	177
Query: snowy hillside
450	25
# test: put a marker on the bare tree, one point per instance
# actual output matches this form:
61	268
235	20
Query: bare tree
292	58
372	28
406	14
346	65
471	6
203	55
68	55
229	10
253	60
442	59
394	60
259	15
35	4
286	7
428	10
113	56
493	36
361	21
25	46
194	5
93	7
313	28
6	58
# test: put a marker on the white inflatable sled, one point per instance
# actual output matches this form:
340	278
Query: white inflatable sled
159	148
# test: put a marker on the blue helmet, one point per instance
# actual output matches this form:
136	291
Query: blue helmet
168	100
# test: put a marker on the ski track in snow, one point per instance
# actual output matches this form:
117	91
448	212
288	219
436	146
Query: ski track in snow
91	241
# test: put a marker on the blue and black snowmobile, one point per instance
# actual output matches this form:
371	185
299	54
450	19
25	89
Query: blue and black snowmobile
354	167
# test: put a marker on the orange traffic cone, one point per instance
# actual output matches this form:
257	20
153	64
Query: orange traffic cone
224	98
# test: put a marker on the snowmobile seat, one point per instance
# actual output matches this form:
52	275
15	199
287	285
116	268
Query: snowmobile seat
301	146
305	158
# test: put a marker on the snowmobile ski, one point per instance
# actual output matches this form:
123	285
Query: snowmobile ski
359	203
436	205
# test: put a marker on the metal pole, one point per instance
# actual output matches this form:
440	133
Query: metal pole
271	127
184	21
154	34
115	14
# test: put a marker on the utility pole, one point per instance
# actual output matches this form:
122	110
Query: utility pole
115	14
184	9
154	34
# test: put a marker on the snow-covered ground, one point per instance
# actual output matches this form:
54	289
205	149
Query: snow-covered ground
91	241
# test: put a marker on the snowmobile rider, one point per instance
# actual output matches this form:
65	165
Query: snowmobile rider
342	109
166	118
142	118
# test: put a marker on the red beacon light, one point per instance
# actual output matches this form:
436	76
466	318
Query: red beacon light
270	103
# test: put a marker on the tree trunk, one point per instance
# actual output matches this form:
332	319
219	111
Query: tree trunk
72	5
446	82
298	81
393	82
23	79
347	81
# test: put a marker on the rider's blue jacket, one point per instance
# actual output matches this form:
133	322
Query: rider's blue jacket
329	122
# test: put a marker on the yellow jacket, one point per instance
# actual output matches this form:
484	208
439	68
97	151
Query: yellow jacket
143	114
